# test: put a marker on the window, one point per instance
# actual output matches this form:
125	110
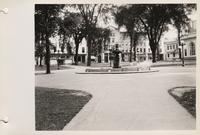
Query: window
174	54
149	50
123	37
109	40
170	47
144	50
137	49
185	52
168	55
192	48
83	50
167	47
140	49
173	46
113	40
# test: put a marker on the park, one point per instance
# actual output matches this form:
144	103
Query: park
97	69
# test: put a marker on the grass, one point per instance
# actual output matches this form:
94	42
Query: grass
53	67
186	96
54	108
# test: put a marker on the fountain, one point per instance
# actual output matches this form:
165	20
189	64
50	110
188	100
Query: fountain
144	67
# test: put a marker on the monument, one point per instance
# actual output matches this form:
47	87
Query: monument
116	53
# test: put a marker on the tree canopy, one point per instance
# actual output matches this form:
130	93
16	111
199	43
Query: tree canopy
155	19
46	24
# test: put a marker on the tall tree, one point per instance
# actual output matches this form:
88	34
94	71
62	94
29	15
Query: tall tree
125	17
99	40
46	19
180	18
39	47
71	26
90	14
74	22
155	19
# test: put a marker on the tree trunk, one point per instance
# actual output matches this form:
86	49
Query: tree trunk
47	45
153	50
134	50
158	52
76	54
37	63
47	56
179	40
89	51
41	57
131	47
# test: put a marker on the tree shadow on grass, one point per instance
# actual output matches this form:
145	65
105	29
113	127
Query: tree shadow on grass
54	108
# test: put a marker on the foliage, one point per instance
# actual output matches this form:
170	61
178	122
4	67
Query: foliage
155	19
125	16
73	22
46	24
90	14
99	40
180	20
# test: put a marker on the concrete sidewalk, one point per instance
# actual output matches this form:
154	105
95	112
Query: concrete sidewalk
127	101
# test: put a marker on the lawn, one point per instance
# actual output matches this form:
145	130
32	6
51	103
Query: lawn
186	96
54	108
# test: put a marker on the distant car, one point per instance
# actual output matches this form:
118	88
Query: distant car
93	58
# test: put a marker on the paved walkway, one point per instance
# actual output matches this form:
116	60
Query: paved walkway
127	101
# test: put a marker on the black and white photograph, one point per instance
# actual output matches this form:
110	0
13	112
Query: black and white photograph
115	67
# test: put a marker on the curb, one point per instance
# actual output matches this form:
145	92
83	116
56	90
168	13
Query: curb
122	72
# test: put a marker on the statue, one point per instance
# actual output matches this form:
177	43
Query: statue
116	53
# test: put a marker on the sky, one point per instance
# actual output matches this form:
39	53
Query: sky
172	33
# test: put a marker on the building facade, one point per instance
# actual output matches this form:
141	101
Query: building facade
188	40
121	37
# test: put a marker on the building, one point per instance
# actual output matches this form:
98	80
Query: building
172	51
188	40
121	37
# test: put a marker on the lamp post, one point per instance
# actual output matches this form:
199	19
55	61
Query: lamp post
58	60
182	46
109	56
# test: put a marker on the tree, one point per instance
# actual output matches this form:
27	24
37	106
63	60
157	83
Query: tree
46	20
90	14
74	23
180	19
39	48
125	17
99	40
155	19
